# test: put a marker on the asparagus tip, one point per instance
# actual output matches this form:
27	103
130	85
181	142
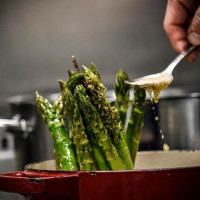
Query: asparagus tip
71	73
61	83
36	94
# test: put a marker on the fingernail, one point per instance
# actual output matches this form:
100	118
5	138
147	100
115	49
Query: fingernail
194	38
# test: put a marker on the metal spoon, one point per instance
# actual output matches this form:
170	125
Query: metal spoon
159	81
164	76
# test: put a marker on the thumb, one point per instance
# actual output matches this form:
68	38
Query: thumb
194	29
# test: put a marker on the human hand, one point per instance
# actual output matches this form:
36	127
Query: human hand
182	25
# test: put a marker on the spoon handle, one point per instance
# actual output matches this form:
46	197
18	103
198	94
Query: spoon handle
178	59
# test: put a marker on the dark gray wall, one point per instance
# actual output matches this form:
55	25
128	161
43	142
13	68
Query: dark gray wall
38	37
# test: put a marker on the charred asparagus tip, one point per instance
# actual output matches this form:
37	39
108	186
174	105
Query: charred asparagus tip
62	84
71	73
76	64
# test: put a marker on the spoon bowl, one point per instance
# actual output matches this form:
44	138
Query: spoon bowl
152	80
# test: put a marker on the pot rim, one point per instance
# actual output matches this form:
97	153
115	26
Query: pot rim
29	168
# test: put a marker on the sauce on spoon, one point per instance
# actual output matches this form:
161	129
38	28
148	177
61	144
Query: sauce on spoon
155	84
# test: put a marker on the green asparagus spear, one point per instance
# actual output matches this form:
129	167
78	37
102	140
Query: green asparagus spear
109	117
94	69
93	123
58	105
73	81
135	123
91	78
122	95
70	84
64	149
71	72
81	142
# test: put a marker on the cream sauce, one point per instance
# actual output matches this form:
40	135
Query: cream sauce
165	147
154	84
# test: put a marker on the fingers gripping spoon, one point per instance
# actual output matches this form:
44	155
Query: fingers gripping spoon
159	81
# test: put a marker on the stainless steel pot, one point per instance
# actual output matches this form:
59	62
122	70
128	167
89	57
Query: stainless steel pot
174	121
179	119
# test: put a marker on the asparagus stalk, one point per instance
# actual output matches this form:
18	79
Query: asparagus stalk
70	84
94	70
94	124
64	152
81	142
73	81
109	117
59	109
122	95
91	79
135	123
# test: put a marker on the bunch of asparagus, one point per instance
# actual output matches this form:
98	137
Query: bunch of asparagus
97	138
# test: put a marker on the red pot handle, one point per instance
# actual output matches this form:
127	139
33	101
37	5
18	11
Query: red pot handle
26	182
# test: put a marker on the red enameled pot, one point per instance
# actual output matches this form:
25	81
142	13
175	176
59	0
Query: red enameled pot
171	175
